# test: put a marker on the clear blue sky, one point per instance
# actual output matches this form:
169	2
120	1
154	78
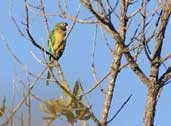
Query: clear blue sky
76	64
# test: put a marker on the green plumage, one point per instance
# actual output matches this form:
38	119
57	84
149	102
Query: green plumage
57	44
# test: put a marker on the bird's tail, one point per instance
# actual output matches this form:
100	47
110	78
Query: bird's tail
49	75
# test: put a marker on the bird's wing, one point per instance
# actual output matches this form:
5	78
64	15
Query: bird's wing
51	42
58	43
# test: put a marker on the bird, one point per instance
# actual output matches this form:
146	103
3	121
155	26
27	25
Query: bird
56	44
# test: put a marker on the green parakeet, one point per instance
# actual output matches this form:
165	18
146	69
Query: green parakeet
57	43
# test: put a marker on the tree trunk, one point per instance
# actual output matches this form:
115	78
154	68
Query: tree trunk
150	107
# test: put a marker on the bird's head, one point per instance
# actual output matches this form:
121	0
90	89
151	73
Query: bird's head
61	25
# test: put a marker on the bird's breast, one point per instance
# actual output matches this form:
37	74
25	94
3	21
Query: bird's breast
59	37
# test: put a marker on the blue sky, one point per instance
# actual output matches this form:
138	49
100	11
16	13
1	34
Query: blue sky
76	64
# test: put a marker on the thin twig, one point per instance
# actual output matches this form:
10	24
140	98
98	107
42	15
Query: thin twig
93	55
21	102
32	40
45	21
105	40
96	85
119	110
14	20
73	21
93	58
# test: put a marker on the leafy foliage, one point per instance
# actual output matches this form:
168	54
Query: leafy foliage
67	106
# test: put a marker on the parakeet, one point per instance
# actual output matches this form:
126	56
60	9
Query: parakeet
57	43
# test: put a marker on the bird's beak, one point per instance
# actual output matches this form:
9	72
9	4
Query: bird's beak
67	27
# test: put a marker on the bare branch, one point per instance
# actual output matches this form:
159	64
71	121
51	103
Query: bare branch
32	40
143	37
159	41
93	58
15	22
95	85
45	21
119	110
112	31
165	77
23	99
105	40
165	58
